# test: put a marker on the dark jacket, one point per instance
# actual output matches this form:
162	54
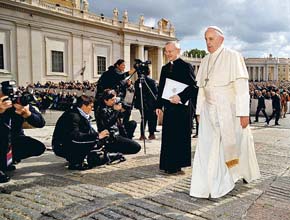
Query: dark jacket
107	118
276	102
111	79
35	119
73	127
261	102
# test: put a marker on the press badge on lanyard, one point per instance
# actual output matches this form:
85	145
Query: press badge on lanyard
9	156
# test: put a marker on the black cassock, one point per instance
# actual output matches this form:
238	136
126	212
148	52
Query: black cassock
177	118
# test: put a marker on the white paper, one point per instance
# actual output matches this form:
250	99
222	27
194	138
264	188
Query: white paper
173	87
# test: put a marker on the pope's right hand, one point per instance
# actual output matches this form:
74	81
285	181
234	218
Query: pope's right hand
5	104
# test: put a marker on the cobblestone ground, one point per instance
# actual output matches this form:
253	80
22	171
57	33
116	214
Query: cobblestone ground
43	188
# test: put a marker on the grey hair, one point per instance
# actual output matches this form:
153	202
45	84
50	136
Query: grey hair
175	43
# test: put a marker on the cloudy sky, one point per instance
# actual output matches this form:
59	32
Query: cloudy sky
256	28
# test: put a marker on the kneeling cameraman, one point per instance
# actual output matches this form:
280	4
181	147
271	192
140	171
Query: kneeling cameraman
14	145
108	117
75	139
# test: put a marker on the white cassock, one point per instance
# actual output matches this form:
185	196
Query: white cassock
224	152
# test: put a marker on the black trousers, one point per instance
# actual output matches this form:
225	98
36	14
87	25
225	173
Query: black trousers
276	114
130	127
25	146
74	153
124	146
150	117
264	113
22	147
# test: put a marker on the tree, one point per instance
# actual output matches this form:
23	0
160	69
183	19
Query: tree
195	53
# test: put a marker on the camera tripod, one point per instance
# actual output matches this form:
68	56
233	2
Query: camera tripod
142	80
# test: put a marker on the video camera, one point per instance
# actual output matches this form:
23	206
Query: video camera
9	89
141	68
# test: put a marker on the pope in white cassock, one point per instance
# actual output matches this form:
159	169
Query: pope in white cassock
225	148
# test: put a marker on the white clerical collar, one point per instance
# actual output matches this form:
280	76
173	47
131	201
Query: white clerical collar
172	61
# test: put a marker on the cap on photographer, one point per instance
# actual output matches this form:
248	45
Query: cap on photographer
14	111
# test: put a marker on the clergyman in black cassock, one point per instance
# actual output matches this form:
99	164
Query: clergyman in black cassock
177	123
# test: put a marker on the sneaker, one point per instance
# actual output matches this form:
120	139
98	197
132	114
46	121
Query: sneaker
142	137
151	137
113	158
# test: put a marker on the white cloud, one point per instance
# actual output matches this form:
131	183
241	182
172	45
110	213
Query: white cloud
254	27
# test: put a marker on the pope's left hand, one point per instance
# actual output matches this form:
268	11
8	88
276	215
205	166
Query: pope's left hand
175	99
244	121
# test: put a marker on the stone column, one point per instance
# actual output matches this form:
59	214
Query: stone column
127	53
159	60
259	73
276	72
254	73
267	73
140	52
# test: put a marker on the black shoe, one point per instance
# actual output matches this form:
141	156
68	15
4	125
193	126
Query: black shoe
96	158
172	171
77	166
256	121
245	181
11	168
3	177
277	124
195	136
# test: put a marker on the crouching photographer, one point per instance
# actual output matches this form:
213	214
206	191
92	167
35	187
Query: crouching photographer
109	116
14	145
76	140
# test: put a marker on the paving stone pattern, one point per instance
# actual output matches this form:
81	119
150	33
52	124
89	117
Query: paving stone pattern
42	188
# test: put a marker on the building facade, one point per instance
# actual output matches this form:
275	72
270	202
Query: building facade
260	69
54	40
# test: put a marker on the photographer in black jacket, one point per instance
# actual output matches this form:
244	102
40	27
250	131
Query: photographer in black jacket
114	78
75	139
13	113
109	116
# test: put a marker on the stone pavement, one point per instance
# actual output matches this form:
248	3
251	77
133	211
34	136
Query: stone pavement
43	188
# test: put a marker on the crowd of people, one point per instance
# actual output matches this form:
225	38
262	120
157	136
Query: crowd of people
217	97
277	92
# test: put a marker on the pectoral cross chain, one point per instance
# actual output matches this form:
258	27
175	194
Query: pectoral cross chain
211	68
